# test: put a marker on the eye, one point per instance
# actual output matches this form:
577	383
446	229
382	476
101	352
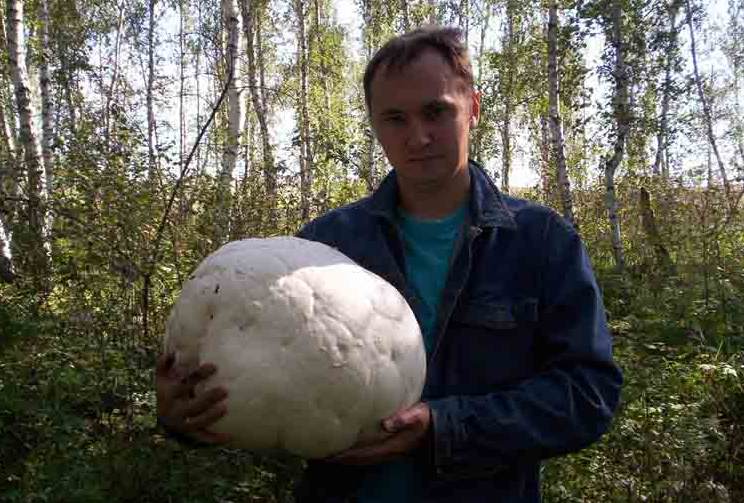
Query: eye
394	119
434	112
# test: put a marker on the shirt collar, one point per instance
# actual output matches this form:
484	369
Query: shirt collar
487	207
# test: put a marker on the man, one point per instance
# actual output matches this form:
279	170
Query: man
519	356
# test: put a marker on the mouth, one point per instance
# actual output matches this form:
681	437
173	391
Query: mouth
423	159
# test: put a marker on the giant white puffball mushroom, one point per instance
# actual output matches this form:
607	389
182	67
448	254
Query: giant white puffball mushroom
313	349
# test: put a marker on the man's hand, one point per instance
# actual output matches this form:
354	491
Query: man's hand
182	412
408	427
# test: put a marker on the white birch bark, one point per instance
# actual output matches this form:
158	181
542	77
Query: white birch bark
8	171
622	126
432	11
507	92
478	140
149	92
660	166
564	185
707	116
234	26
546	173
406	15
251	27
9	167
306	168
369	171
36	258
110	92
47	130
181	85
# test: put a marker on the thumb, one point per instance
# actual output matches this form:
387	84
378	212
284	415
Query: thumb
401	420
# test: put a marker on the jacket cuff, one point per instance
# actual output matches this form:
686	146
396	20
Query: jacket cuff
447	461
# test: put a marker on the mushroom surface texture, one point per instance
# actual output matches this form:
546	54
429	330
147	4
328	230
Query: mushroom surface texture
313	349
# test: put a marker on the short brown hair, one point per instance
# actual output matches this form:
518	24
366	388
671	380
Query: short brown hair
400	51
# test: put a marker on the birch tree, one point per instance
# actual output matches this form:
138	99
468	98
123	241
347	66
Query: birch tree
556	131
661	162
507	88
371	35
303	118
47	130
30	240
9	170
252	16
707	116
234	27
149	92
621	126
112	88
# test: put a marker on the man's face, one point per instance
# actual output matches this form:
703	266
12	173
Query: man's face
422	115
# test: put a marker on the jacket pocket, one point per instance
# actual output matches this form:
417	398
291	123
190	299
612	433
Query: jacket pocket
497	315
490	344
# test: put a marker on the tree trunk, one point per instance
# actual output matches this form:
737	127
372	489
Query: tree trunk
564	185
406	15
234	27
181	85
506	94
622	126
547	177
110	92
8	171
197	85
506	148
28	242
47	136
251	26
432	12
648	222
660	167
324	73
9	168
479	131
306	168
150	84
704	102
6	267
465	19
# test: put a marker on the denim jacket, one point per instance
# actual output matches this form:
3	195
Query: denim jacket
522	369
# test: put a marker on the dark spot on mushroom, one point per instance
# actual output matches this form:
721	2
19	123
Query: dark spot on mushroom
217	288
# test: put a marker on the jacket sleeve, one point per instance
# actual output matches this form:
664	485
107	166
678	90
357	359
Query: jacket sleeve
566	405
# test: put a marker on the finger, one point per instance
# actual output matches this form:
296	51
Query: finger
386	450
164	363
406	418
187	384
205	401
211	437
206	418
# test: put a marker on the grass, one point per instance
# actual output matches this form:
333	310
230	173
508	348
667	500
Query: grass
77	421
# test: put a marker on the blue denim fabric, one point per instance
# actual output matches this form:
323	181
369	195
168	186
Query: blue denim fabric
522	368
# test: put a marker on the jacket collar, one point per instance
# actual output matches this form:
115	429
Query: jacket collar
487	207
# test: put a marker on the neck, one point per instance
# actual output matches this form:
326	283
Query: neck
434	201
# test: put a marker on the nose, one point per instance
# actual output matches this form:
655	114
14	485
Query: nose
419	135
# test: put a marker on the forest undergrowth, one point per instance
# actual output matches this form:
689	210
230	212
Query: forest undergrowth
77	413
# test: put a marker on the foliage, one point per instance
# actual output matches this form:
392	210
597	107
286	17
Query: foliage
76	403
677	436
78	425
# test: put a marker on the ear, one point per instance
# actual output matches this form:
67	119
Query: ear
474	108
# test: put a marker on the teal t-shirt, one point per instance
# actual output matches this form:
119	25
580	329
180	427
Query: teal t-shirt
428	245
428	250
